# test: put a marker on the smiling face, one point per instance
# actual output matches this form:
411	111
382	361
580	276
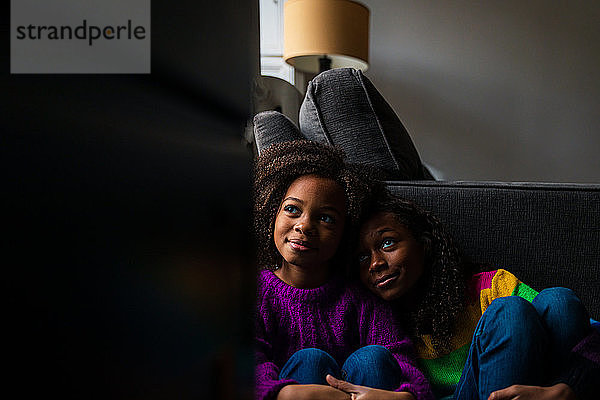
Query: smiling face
390	259
310	223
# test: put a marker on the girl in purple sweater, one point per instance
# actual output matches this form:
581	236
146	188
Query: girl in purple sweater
310	322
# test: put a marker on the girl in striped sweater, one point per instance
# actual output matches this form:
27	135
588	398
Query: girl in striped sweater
477	335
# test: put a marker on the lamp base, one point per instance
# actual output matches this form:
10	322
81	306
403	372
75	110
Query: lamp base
324	63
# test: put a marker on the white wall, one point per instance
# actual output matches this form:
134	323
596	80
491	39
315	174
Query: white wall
495	90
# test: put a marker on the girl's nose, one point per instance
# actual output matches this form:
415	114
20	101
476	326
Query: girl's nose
377	262
304	226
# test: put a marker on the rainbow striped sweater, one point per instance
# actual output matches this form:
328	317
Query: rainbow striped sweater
444	370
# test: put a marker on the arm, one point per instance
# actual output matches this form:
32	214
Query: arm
268	384
311	392
378	326
560	391
366	393
415	381
266	372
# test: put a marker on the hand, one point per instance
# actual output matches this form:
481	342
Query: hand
358	392
560	391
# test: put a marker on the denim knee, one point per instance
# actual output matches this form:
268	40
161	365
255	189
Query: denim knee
372	366
310	366
373	355
559	303
509	347
513	318
504	309
564	316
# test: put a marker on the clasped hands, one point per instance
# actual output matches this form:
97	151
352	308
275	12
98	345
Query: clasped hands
559	391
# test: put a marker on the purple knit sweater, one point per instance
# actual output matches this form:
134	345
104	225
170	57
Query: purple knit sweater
337	318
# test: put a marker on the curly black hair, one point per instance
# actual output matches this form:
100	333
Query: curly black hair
441	288
281	164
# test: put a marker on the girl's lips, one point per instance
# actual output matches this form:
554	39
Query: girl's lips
300	245
387	280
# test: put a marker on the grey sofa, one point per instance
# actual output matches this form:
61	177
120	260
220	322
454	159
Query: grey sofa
546	234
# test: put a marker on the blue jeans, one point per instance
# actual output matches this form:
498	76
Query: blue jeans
372	366
517	342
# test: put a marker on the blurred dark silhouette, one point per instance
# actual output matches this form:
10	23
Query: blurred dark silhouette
127	217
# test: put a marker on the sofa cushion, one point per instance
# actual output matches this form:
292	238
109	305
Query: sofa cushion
545	234
343	108
273	127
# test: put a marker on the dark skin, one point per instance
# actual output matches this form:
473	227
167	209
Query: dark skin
522	392
358	392
390	258
308	229
312	392
391	263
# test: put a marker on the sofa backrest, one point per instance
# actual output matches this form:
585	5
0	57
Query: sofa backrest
546	234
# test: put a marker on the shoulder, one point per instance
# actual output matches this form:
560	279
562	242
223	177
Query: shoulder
264	283
499	283
267	291
503	284
498	280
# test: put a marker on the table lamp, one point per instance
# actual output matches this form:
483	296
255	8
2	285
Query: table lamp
324	34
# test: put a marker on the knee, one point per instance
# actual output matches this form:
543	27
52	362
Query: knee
511	319
309	366
559	303
508	307
564	316
312	356
555	295
371	355
513	313
372	366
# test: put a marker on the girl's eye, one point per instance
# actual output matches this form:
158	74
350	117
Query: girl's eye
362	258
328	219
387	243
291	209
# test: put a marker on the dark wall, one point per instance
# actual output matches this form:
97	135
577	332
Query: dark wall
127	229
